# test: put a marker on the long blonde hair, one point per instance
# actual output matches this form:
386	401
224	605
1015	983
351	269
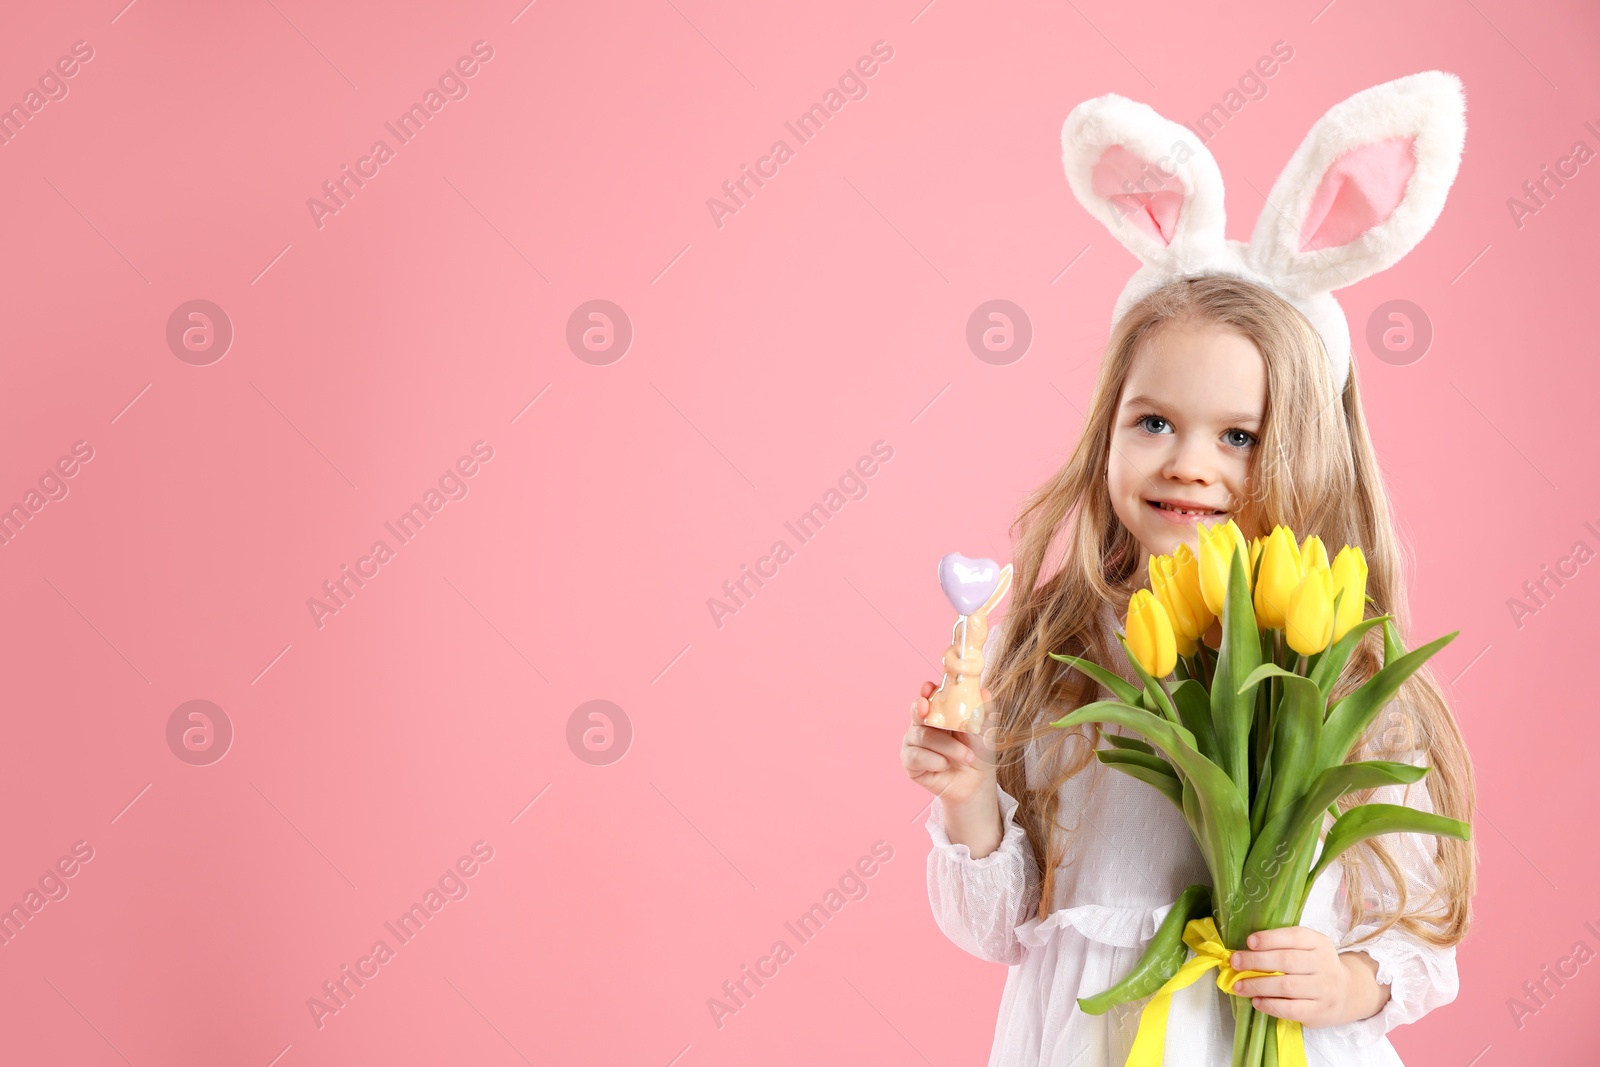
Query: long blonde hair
1313	469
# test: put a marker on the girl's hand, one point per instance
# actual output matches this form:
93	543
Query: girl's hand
1320	986
957	767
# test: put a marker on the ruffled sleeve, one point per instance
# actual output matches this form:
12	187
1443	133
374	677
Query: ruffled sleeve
979	903
1420	976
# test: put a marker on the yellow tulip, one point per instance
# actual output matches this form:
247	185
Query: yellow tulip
1255	551
1280	573
1186	571
1309	623
1185	603
1312	554
1217	546
1163	583
1150	636
1349	575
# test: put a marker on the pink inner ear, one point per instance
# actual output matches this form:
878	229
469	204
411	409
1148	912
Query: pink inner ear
1141	192
1359	192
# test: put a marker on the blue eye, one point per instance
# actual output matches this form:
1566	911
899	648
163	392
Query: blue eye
1157	425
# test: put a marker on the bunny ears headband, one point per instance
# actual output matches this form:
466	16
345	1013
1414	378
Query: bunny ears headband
1367	183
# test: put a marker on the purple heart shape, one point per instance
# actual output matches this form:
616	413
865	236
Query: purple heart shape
968	583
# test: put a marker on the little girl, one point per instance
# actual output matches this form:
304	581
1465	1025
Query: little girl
1215	401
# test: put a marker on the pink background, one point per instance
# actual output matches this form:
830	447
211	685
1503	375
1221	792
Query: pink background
768	355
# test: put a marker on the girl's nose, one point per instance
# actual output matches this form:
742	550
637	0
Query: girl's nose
1189	463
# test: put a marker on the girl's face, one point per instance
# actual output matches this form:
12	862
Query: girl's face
1187	420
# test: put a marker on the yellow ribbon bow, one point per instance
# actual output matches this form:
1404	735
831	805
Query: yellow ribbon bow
1201	935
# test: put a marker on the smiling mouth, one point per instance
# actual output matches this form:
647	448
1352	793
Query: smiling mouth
1177	510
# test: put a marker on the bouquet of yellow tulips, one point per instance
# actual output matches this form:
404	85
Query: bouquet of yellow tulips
1247	741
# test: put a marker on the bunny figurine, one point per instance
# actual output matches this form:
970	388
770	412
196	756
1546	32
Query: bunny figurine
974	587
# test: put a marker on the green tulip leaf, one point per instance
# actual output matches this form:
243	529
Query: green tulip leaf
1223	832
1392	648
1231	714
1297	732
1335	782
1154	691
1119	686
1350	716
1370	820
1263	793
1194	709
1331	784
1131	743
1262	673
1162	957
1171	738
1292	833
1191	808
1127	757
1148	768
1333	661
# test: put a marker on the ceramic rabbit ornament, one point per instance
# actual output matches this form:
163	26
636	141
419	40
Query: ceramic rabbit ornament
1365	185
974	588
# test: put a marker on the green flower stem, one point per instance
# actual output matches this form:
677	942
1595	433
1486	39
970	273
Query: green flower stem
1269	1039
1260	1025
1208	663
1247	1033
1242	1011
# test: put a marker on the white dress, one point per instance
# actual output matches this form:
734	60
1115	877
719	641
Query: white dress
1130	857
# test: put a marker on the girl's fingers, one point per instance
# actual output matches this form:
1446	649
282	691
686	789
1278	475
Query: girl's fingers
1274	985
1285	937
955	749
919	706
963	749
943	742
1289	960
1293	1010
922	759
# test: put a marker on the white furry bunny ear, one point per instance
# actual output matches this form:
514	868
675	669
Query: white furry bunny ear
1363	188
1152	183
